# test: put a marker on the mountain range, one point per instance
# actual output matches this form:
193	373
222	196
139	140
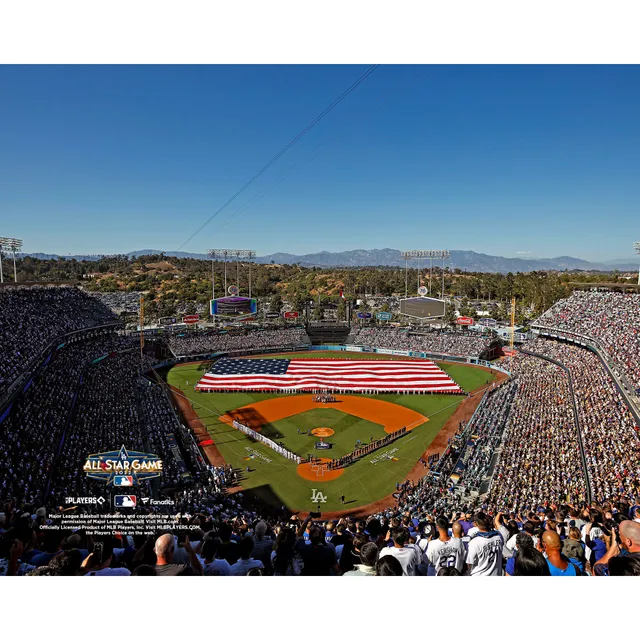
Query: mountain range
465	260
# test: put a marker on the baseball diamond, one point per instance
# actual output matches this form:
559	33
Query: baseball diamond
354	423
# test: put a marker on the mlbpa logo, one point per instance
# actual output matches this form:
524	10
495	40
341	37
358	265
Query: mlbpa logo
317	496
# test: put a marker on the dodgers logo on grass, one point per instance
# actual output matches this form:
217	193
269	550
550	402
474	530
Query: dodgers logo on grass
317	496
123	468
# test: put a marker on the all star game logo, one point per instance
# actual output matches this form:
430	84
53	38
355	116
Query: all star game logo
123	468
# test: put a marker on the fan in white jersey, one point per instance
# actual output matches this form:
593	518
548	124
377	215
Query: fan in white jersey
446	551
484	555
407	555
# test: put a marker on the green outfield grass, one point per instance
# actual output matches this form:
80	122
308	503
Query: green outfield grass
276	480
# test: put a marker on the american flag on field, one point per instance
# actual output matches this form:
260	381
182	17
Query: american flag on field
338	375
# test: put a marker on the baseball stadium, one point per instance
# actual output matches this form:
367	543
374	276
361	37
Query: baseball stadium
227	411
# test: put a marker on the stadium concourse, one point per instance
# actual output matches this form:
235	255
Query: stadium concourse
543	480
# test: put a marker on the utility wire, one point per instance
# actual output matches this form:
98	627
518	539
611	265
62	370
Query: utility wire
278	181
310	126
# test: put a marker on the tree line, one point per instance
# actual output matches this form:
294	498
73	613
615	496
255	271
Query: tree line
170	282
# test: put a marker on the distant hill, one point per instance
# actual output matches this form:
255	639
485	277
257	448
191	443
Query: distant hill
465	260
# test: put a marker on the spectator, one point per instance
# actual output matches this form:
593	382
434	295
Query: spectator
211	565
245	562
164	549
408	555
318	558
559	565
389	566
368	557
530	562
284	558
446	551
484	555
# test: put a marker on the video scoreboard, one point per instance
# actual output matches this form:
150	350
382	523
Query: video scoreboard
234	307
422	307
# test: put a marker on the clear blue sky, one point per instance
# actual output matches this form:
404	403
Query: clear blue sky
507	160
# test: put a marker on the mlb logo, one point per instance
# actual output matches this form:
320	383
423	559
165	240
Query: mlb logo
123	481
124	501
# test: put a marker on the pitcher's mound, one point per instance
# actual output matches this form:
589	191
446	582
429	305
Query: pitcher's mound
322	432
317	471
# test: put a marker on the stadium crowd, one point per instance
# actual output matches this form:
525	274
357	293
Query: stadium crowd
31	317
27	455
611	318
540	460
113	409
609	432
219	537
119	301
457	344
212	341
536	519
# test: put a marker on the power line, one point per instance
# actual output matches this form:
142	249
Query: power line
277	182
310	126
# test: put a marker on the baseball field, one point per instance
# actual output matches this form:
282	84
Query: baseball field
290	420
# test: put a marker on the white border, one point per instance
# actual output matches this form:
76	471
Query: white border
334	31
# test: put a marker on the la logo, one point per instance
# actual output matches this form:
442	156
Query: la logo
317	496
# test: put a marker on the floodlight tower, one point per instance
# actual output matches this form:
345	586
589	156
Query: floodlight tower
230	253
636	248
445	254
411	255
13	245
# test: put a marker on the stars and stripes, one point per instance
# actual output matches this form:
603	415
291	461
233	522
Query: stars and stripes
416	376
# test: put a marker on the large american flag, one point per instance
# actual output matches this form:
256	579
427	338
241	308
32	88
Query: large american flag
315	374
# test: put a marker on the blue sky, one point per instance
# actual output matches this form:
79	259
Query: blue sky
506	160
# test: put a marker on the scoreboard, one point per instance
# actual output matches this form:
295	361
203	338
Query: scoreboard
422	307
234	307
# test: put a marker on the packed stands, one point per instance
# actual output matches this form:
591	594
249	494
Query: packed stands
612	319
609	432
540	461
119	301
90	395
31	317
457	344
206	342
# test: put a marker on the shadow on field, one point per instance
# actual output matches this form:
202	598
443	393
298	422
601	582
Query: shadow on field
264	495
256	421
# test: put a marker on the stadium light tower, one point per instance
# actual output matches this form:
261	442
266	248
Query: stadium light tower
216	254
13	245
414	254
636	248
